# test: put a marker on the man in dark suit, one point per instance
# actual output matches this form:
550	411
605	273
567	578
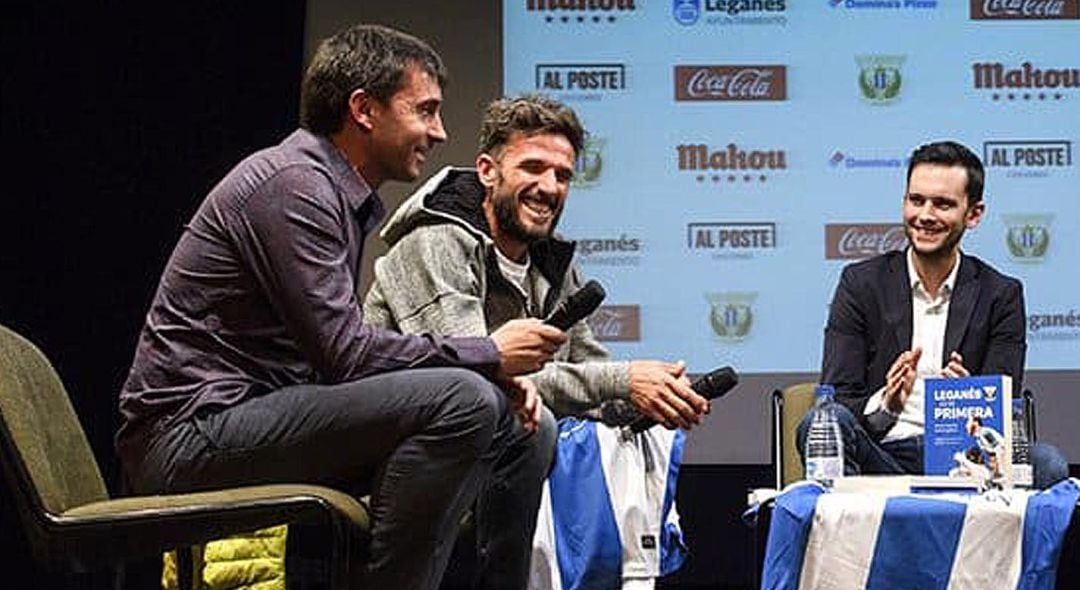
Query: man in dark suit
929	310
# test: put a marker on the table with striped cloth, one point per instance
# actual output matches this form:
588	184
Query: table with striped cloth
839	541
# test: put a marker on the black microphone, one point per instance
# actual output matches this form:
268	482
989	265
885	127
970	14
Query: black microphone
579	304
709	386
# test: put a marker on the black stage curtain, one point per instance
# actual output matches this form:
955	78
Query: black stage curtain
117	118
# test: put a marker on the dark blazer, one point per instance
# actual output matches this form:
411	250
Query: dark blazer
870	325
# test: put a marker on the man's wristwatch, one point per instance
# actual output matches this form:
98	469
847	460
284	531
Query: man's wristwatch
892	414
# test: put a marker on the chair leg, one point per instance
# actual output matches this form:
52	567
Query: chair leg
189	568
138	573
340	556
184	567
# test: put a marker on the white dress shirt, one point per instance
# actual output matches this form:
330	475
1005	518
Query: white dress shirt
928	317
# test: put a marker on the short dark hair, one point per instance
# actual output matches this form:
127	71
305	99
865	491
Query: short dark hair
950	153
369	57
529	114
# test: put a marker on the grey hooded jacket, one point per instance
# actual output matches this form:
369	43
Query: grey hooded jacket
441	276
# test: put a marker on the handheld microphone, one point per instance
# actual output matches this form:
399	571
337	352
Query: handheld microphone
579	304
709	386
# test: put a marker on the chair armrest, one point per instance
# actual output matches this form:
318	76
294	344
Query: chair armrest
112	530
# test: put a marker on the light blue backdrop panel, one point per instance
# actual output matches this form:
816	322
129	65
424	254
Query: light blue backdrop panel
864	83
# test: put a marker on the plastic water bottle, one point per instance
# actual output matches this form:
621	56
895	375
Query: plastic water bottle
1022	475
824	445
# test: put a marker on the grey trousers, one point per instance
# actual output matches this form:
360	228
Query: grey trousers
426	444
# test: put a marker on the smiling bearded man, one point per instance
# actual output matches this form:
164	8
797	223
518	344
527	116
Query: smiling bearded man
476	248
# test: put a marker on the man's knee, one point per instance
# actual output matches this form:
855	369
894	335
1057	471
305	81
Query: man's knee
474	405
802	430
847	421
545	438
1048	465
470	392
533	451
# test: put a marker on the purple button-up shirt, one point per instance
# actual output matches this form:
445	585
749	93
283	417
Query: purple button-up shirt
261	293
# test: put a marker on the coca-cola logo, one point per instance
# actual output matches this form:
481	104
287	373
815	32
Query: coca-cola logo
1025	9
616	323
862	240
736	82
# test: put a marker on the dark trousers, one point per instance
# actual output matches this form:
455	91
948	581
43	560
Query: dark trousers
426	444
863	455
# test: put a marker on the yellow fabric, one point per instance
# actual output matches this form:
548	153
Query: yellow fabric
252	561
168	572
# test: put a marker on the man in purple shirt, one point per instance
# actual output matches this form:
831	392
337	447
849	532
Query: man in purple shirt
254	365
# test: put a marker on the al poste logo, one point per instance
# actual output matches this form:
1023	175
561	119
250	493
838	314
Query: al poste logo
581	80
1028	157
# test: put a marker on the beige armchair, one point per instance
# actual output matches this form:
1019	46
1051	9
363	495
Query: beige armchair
74	526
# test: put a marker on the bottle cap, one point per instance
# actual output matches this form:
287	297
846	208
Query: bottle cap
824	389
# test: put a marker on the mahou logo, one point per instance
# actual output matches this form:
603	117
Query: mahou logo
1027	75
731	163
579	5
616	323
736	82
855	241
580	11
1025	9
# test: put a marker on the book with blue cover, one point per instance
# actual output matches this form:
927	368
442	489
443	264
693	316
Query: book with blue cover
969	424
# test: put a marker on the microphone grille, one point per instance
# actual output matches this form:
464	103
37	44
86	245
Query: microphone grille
592	293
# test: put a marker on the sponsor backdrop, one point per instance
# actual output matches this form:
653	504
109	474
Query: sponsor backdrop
742	152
